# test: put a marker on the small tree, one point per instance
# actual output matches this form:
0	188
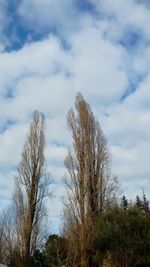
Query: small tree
142	203
145	203
1	238
9	248
138	202
31	187
124	203
56	251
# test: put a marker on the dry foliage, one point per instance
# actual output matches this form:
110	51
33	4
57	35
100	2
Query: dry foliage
90	186
31	188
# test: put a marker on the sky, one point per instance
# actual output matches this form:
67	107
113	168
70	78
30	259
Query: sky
52	49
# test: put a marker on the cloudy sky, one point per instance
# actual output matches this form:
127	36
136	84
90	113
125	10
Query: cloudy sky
50	50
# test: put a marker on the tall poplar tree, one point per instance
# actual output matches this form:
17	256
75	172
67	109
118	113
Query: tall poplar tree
90	186
31	187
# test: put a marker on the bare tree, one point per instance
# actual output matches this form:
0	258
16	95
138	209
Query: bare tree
90	185
9	249
31	188
1	238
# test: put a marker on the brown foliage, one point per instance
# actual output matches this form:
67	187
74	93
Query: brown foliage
90	186
31	188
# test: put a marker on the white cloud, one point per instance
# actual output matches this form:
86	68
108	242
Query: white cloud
42	58
11	141
128	13
37	77
141	98
98	65
48	14
132	167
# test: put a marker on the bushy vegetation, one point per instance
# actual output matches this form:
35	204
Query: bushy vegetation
122	239
123	236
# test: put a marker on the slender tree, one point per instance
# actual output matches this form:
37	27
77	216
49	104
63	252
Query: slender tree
124	203
145	202
31	187
91	188
138	202
1	238
9	248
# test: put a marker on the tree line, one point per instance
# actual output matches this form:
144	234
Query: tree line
97	229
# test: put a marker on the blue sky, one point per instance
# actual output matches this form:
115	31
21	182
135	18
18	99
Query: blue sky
50	50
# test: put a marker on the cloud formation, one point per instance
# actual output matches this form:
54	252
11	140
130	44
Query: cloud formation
54	49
